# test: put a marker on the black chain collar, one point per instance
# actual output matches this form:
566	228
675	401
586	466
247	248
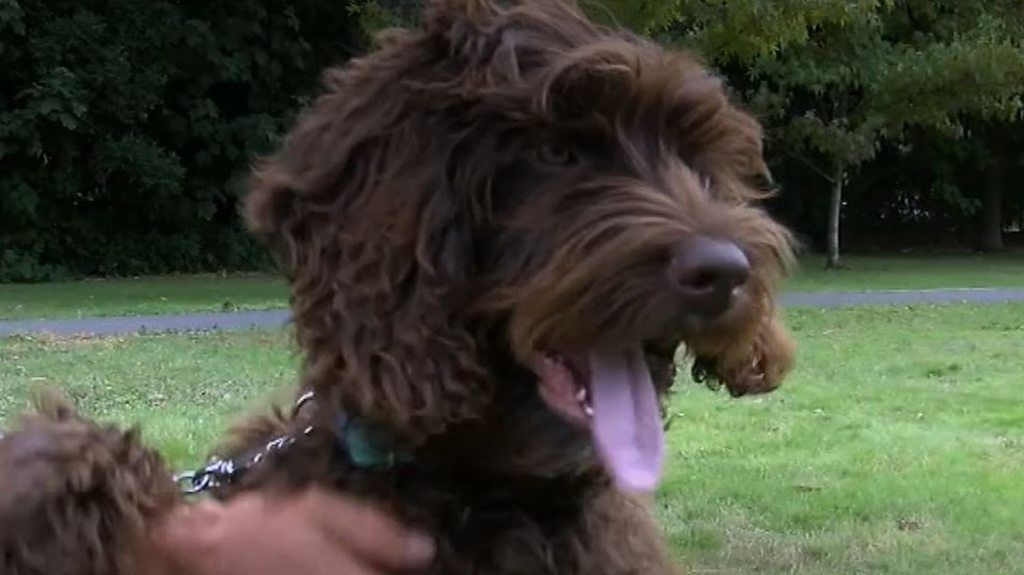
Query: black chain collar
220	472
363	445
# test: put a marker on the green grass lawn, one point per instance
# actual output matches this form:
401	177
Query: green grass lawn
142	296
911	271
166	295
897	447
183	389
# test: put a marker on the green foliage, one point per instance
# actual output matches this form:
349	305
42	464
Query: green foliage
127	127
841	82
377	15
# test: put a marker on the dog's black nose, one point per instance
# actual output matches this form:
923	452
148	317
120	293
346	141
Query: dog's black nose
707	271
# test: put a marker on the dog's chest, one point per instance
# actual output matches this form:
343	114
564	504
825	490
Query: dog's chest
505	540
577	525
572	528
489	528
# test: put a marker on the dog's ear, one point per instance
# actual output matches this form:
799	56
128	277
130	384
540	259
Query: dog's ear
359	205
465	26
444	15
77	497
446	237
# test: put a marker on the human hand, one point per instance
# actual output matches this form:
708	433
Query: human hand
315	533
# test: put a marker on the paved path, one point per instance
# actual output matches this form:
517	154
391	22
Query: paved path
238	321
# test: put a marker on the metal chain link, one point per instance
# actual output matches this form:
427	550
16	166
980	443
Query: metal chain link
220	472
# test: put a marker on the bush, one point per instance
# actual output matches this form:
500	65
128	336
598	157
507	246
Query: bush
127	126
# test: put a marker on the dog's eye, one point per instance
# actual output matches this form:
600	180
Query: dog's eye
556	154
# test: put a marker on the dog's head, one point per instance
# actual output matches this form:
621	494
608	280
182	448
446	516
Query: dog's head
513	181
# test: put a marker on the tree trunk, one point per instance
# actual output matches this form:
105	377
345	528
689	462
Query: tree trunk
992	215
834	213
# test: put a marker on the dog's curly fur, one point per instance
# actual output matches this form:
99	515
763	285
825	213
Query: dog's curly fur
508	177
76	497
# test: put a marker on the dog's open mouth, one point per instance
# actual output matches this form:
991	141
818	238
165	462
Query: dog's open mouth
612	394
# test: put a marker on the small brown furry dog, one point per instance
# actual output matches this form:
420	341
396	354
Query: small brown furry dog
499	229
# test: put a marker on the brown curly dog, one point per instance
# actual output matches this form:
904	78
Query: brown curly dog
499	229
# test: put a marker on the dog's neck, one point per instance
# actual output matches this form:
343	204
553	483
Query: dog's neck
368	446
517	437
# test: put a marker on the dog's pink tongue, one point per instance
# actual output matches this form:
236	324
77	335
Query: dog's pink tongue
627	421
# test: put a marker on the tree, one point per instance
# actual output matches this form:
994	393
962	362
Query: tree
378	14
127	127
834	79
969	68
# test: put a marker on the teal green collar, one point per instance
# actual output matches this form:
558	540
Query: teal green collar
366	446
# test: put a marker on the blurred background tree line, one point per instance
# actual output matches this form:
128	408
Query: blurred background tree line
127	126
